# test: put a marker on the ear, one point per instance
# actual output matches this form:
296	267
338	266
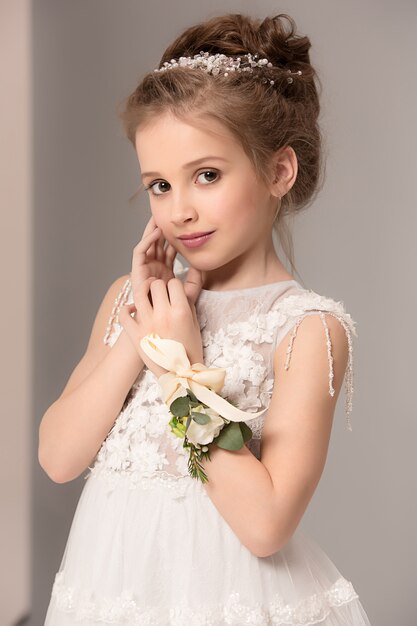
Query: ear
284	167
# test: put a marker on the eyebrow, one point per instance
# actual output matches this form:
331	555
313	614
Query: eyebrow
196	162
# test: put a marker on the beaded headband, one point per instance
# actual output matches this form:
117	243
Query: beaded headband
215	63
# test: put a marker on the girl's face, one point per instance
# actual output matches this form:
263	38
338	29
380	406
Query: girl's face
200	180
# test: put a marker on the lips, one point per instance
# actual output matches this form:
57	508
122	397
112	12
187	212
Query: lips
197	242
195	235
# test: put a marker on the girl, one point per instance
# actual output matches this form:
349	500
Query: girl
228	144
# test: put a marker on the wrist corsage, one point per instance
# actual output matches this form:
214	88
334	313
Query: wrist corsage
198	414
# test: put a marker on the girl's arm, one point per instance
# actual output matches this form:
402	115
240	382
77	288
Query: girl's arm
75	425
264	501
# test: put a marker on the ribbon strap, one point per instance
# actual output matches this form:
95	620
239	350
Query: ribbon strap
203	381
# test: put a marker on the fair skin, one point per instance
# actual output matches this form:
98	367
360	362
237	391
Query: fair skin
229	200
262	500
234	203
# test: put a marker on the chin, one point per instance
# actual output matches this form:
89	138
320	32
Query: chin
202	265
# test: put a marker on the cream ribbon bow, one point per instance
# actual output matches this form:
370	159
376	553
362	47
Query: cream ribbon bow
200	379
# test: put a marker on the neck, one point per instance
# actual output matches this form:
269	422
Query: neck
251	269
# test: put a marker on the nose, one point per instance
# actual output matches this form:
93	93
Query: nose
182	209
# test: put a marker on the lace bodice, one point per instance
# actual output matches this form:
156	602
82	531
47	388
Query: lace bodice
240	330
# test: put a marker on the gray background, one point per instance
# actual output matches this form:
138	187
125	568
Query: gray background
355	244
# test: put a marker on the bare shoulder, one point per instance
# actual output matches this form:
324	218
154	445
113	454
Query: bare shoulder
97	348
309	368
108	306
311	338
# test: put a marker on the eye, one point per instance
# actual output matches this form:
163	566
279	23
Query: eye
163	182
211	172
152	185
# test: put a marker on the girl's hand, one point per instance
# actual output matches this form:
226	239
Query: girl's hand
152	258
170	315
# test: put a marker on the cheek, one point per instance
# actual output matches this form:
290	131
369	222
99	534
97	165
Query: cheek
230	207
159	219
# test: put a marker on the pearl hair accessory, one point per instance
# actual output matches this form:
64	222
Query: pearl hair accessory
215	63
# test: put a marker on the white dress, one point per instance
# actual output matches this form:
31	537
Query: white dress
147	547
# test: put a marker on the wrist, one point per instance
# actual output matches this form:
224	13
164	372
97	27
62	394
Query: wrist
196	358
126	344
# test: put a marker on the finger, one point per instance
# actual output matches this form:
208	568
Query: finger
177	295
160	299
134	332
170	254
139	270
160	245
128	323
124	311
145	309
151	251
154	251
193	283
150	226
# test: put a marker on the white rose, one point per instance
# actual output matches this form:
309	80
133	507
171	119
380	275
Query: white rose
204	433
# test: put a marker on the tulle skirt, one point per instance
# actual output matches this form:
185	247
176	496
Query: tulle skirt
154	557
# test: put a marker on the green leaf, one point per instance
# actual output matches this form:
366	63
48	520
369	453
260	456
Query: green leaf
200	418
230	437
180	406
178	433
192	396
195	468
246	431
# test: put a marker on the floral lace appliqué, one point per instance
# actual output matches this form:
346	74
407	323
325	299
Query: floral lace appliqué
127	609
241	337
